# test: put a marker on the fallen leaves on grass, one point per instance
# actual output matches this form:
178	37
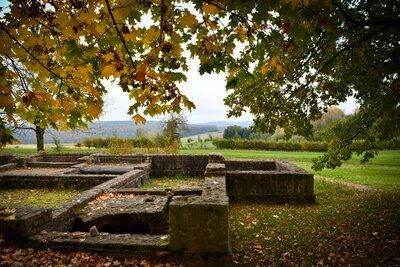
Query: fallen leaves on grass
31	257
346	226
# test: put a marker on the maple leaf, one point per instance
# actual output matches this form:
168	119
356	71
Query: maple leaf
189	20
210	9
141	72
139	119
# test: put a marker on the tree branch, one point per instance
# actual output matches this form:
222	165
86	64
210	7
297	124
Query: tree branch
119	33
29	15
33	56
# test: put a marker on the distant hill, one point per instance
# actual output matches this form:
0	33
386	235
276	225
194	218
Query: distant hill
223	124
108	129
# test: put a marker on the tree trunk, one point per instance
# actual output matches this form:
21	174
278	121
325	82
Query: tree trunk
39	138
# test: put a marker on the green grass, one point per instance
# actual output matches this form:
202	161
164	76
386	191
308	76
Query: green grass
35	197
175	183
31	150
382	172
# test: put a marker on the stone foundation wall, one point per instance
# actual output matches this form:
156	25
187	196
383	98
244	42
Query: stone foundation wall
261	165
63	215
58	158
172	165
134	158
19	222
199	225
4	159
270	187
68	181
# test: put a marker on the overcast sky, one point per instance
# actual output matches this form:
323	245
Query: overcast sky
206	91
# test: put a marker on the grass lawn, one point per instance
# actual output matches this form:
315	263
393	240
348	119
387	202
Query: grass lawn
175	183
382	172
36	197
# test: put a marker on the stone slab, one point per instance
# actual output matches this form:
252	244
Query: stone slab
117	168
116	243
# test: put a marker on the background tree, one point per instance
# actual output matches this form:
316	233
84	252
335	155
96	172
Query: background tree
171	128
234	132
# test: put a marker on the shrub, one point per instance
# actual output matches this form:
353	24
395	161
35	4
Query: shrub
88	142
257	144
120	146
57	144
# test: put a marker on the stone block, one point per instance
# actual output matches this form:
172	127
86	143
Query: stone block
19	222
199	225
216	158
215	169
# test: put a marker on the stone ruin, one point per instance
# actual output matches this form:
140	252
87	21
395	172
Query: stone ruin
187	225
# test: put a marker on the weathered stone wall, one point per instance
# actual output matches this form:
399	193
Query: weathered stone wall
256	165
4	159
19	222
199	225
172	165
71	181
63	215
270	186
57	158
104	158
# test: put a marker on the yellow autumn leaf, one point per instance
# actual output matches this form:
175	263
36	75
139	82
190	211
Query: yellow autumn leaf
109	56
93	110
132	35
108	71
56	117
279	68
189	20
210	9
264	69
139	119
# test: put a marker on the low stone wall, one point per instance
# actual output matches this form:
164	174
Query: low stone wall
58	158
104	158
19	222
260	165
270	187
4	159
8	166
63	215
172	165
68	181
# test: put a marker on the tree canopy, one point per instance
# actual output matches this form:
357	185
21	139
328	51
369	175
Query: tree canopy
286	61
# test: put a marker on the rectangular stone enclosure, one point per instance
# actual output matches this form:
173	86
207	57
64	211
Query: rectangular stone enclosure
185	224
273	181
